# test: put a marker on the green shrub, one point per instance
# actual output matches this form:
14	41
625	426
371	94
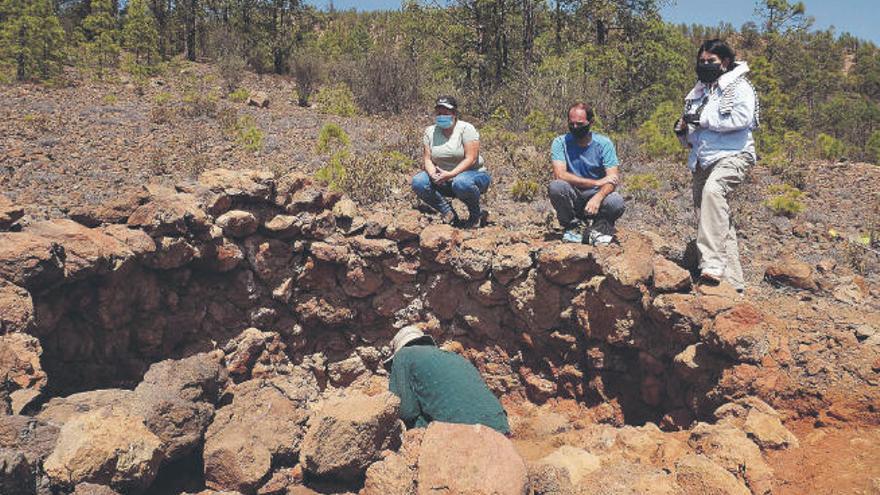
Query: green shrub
642	187
786	200
830	148
240	95
162	98
366	178
788	159
332	138
109	99
872	147
333	172
248	134
656	138
336	100
524	190
198	103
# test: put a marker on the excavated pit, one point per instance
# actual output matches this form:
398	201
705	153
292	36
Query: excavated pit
282	278
195	267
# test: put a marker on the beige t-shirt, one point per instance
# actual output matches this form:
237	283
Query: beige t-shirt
448	153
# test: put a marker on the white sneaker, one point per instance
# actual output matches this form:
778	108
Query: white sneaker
599	239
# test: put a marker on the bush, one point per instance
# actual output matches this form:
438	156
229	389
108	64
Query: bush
786	200
388	81
333	173
248	135
336	100
642	187
524	190
872	147
366	178
231	67
331	139
830	148
308	71
787	161
240	95
656	138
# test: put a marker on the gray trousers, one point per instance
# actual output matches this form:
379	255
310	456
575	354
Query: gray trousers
716	236
569	203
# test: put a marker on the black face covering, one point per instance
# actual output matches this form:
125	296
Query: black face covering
709	72
579	131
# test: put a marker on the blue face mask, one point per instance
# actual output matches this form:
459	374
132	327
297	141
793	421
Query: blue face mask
444	121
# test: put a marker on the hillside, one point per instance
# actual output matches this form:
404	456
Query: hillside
221	295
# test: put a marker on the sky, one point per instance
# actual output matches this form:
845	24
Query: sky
859	17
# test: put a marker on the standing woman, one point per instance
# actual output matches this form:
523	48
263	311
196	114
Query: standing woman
453	166
719	115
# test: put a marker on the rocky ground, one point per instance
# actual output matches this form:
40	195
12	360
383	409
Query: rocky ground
212	319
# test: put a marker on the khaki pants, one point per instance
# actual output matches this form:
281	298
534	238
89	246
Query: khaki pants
716	237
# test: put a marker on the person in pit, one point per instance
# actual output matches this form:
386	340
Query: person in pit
438	385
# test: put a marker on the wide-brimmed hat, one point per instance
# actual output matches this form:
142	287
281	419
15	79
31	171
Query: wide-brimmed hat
407	335
446	101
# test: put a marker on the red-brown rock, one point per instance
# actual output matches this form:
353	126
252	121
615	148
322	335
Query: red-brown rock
472	459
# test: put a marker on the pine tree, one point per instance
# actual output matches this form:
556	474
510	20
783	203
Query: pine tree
100	27
140	34
31	38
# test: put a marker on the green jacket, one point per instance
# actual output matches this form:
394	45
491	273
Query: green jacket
436	385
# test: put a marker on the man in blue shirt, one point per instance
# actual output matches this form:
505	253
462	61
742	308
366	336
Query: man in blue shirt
586	174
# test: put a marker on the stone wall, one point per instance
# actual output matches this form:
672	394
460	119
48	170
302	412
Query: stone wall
167	273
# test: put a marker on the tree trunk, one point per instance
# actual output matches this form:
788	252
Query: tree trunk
191	30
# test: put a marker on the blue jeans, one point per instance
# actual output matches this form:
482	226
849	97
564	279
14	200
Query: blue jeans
466	186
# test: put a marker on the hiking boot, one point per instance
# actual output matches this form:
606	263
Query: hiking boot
449	218
475	221
597	238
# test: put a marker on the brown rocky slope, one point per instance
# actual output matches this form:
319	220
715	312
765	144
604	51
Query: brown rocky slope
274	299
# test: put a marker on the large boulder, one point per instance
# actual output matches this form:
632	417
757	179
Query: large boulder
169	213
568	263
30	261
760	422
109	446
472	459
396	473
20	369
791	272
24	444
730	448
347	434
86	251
16	309
264	424
238	223
669	277
115	211
577	463
697	475
60	410
743	333
176	401
242	185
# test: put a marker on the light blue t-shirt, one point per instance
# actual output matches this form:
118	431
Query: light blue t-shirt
589	162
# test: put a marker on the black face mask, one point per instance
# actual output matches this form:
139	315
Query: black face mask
709	72
579	131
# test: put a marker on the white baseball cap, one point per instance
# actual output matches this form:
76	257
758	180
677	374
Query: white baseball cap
407	335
